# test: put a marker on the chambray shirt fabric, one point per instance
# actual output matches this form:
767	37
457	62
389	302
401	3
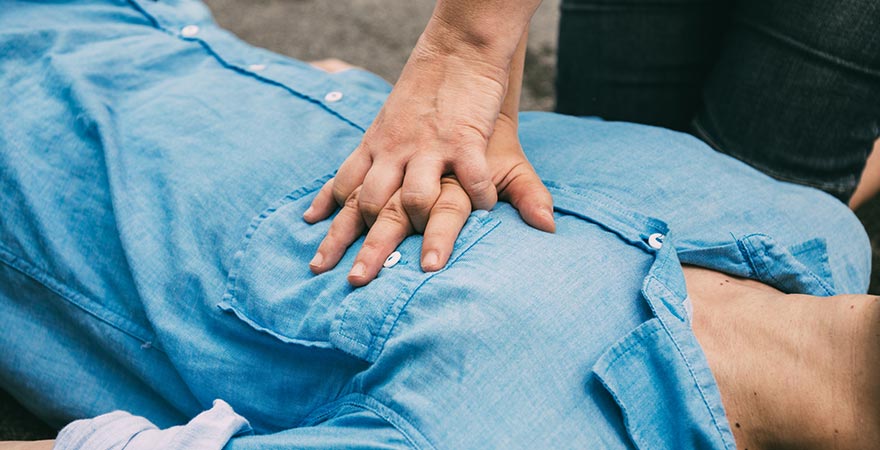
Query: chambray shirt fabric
153	259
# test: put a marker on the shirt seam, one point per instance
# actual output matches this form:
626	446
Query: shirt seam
763	270
653	278
371	349
77	299
224	63
690	368
365	402
489	224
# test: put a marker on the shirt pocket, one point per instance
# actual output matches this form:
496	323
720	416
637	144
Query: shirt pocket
271	288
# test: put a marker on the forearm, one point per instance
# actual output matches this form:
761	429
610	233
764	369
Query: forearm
487	30
510	106
26	445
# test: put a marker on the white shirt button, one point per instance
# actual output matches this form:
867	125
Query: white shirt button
333	97
257	67
655	241
392	260
189	31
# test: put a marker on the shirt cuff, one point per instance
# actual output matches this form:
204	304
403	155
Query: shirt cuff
211	429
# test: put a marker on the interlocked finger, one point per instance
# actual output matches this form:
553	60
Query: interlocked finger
475	178
351	174
346	228
323	204
392	226
381	182
447	218
421	188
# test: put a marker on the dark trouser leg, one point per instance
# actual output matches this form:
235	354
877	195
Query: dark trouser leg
637	60
796	90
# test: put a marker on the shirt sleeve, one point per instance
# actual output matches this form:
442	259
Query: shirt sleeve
211	429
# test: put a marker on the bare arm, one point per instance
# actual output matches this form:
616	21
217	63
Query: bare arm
26	445
488	30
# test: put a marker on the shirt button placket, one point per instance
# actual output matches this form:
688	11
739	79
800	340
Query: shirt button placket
655	241
333	97
189	31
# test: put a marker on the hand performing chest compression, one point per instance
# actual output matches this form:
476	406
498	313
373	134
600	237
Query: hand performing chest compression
445	143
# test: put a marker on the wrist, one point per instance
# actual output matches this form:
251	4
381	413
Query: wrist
457	80
480	45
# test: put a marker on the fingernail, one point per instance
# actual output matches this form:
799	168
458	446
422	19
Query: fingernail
317	260
359	270
308	212
430	261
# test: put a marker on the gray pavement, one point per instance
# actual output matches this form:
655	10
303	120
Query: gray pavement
375	34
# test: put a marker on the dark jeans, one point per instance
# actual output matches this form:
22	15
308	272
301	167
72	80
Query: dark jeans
790	87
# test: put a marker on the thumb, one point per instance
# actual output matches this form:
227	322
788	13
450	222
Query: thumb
530	197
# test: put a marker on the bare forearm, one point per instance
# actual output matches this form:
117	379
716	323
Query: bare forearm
510	107
26	445
489	29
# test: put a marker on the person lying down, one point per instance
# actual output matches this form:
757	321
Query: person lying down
156	290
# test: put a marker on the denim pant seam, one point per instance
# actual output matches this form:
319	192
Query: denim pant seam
847	184
806	49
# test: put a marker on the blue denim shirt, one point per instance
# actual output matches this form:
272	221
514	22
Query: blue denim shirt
153	259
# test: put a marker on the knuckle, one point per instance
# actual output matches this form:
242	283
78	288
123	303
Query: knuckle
394	215
481	186
369	208
367	148
450	182
333	238
416	200
533	185
383	137
339	193
371	247
352	201
471	136
447	205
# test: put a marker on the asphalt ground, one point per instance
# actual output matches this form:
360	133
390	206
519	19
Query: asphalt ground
377	35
